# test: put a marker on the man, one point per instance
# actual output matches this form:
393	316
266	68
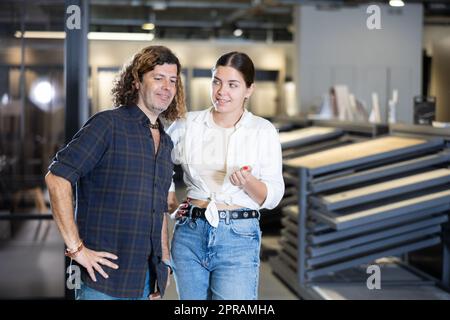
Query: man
121	166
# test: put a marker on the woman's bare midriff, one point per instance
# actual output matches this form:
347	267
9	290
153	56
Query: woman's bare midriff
220	206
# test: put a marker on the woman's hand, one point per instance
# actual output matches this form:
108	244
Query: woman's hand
241	177
257	190
180	211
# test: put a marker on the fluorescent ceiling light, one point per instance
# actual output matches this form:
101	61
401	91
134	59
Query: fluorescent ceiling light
159	5
122	36
396	3
148	26
41	34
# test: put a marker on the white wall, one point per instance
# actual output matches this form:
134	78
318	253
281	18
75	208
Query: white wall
336	47
436	41
440	79
267	99
432	35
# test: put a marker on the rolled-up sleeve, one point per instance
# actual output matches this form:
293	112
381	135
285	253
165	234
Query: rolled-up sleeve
85	150
172	186
271	166
176	132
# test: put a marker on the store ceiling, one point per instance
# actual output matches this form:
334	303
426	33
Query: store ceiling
186	19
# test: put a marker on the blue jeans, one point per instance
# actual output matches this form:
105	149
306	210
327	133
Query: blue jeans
216	263
87	293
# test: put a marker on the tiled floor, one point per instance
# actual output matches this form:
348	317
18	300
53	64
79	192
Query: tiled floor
32	266
32	262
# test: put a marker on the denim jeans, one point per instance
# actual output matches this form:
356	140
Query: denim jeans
216	263
87	293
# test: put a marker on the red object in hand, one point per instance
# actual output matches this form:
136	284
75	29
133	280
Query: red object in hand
245	168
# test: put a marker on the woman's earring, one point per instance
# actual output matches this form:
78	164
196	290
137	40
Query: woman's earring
245	101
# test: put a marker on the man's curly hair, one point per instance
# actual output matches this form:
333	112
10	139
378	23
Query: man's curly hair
124	91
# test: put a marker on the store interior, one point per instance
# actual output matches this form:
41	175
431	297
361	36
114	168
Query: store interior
359	92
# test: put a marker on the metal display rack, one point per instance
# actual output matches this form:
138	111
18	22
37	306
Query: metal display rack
342	133
351	213
287	123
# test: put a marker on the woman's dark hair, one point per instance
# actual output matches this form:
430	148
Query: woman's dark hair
241	62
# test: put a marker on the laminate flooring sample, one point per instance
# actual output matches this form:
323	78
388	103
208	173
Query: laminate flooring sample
354	151
386	189
297	137
386	211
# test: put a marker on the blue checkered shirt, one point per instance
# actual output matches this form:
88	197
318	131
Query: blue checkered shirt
121	195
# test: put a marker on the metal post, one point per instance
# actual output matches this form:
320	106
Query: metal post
76	71
446	255
21	168
302	208
76	81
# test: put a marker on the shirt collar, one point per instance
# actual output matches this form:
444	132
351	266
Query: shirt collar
206	118
136	113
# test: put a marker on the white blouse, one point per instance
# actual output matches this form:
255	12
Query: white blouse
255	142
214	170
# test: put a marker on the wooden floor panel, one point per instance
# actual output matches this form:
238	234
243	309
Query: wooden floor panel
353	151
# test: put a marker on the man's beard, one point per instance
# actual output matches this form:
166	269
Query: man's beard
156	110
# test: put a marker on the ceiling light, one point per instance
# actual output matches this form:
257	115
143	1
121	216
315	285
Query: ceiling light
159	5
237	32
5	99
42	93
41	34
396	3
121	36
148	26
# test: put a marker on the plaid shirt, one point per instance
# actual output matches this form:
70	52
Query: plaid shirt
121	195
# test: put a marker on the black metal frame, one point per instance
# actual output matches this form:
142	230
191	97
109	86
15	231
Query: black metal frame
425	231
76	74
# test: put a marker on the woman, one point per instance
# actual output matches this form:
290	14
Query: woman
232	167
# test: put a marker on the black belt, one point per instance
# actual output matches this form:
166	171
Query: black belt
233	214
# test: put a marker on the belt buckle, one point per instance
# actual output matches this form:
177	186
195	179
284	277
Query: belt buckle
227	216
192	222
191	208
